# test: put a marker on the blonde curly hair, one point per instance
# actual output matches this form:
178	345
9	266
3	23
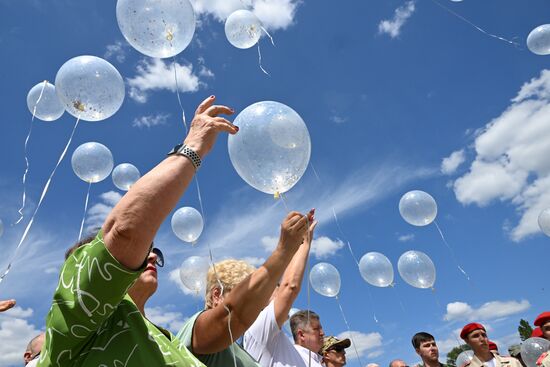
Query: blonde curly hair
229	272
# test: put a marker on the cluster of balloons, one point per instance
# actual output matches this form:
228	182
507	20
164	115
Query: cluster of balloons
272	149
187	224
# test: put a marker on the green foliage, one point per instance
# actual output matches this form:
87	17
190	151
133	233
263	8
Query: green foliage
451	356
524	329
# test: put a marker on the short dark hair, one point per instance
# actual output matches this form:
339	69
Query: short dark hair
420	338
80	243
300	320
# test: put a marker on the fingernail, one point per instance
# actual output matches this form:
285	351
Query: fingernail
212	96
237	128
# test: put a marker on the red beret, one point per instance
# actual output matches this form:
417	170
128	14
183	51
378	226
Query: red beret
469	328
543	318
493	346
537	333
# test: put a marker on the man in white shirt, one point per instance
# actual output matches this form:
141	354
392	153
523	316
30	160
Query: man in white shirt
266	342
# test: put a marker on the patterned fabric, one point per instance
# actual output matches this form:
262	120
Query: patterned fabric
93	322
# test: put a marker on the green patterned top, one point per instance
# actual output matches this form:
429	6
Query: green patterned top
93	321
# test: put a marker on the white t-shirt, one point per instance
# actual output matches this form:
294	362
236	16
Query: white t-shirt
270	346
491	363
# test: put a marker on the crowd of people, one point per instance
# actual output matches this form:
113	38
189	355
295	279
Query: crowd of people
97	316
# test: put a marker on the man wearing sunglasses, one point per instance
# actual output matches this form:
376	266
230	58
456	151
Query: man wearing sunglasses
334	351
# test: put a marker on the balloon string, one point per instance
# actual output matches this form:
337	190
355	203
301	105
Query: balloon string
284	202
24	200
349	330
260	60
200	198
224	306
44	191
267	33
315	171
451	251
85	209
178	94
355	259
515	44
398	297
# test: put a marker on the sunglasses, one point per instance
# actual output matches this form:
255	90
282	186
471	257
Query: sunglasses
337	349
160	257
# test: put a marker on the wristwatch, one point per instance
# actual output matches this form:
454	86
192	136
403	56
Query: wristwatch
189	153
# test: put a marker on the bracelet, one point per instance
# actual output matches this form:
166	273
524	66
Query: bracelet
184	150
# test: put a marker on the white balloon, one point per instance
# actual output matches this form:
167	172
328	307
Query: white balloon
463	358
92	162
544	221
418	208
538	41
271	151
125	175
325	279
243	29
376	269
193	272
90	88
156	28
187	224
43	102
417	269
532	348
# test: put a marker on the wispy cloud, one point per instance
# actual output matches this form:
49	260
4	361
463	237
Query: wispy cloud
166	317
97	214
406	237
393	26
450	164
511	158
116	51
16	333
274	14
488	311
150	120
155	74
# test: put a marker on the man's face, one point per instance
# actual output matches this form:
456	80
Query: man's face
335	357
312	336
546	330
398	363
478	340
428	351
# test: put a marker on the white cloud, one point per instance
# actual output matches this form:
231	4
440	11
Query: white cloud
117	51
254	261
97	214
15	333
446	345
376	353
406	237
19	312
450	164
511	158
402	14
150	120
323	247
337	119
269	243
274	14
155	74
363	342
162	316
487	311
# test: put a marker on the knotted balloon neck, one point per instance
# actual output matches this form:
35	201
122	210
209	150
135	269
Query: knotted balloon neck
277	195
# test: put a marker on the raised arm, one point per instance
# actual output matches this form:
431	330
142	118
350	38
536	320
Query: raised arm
132	224
248	298
291	283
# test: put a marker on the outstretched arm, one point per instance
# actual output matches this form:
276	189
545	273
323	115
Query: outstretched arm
6	305
292	279
132	224
248	298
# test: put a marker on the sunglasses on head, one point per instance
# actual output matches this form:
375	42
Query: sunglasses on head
160	257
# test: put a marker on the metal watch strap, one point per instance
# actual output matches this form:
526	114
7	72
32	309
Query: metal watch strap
189	153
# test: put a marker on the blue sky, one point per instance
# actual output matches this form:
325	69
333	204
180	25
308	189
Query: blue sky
428	103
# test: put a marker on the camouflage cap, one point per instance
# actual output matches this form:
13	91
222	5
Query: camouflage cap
331	342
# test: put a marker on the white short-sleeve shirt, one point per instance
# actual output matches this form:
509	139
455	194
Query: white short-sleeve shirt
269	345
